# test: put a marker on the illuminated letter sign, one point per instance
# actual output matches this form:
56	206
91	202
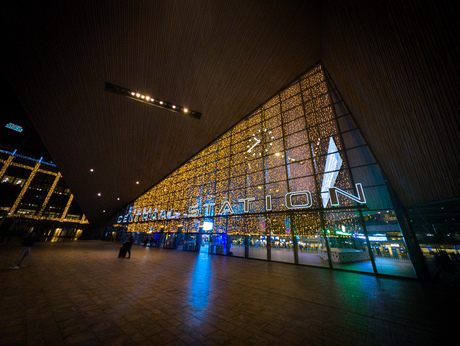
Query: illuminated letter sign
268	203
333	191
131	216
288	200
162	214
208	209
145	215
193	211
226	207
246	203
14	127
154	215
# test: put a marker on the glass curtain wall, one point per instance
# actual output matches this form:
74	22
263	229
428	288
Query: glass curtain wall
263	189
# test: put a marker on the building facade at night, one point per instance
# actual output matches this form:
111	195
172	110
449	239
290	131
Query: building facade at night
295	181
35	197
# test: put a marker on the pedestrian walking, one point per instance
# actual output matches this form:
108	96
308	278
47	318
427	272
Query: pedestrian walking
28	242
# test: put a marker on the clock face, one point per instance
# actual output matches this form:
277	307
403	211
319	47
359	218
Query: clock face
259	143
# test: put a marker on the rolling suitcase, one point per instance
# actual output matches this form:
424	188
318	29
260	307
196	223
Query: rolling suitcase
122	253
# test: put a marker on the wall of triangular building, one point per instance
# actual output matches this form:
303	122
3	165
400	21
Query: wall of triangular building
295	181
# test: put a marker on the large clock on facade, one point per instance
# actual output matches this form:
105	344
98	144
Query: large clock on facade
259	143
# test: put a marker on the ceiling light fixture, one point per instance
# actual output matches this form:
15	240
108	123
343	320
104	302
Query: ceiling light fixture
133	95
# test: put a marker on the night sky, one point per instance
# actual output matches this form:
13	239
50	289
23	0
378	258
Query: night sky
27	142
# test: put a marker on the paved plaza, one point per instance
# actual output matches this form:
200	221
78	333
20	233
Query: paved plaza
81	293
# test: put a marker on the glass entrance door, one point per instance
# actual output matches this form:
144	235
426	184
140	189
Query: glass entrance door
204	247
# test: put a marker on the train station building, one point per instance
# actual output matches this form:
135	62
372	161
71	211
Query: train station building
318	133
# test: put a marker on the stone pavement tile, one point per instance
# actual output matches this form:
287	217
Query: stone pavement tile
170	321
177	342
151	329
253	339
205	329
162	337
134	316
293	338
96	319
81	293
224	325
189	339
84	336
129	329
274	330
138	337
105	330
120	340
194	322
221	337
250	336
190	331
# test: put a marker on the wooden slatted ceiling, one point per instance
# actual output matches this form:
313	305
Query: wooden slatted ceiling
218	57
397	66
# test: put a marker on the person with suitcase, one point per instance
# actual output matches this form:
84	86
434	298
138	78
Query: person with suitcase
126	248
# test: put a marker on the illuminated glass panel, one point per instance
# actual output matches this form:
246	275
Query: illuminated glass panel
289	92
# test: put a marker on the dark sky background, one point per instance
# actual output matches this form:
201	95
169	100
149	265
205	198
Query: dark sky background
27	142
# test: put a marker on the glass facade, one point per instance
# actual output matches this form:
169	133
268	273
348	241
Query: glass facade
293	182
34	196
